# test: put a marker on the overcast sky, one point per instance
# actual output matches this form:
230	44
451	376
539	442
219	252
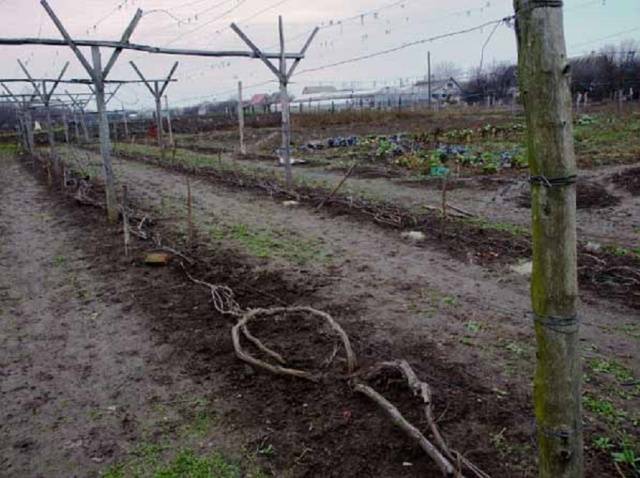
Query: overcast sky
349	29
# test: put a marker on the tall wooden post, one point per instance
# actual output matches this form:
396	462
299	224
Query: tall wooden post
286	113
65	124
157	91
169	126
429	77
544	74
28	119
126	124
243	148
284	75
105	140
158	100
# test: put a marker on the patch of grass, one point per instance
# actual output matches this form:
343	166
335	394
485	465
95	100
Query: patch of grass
473	327
611	367
147	463
188	464
515	349
514	229
603	408
59	261
269	243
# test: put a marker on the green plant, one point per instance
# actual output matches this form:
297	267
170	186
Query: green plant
611	367
602	443
473	326
490	163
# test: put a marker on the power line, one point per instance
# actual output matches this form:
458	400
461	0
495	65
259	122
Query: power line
406	45
200	27
613	35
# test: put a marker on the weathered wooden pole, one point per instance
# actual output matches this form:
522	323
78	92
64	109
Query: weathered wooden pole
169	126
243	148
83	124
76	128
65	124
286	113
28	119
126	124
544	75
157	91
158	101
284	76
105	140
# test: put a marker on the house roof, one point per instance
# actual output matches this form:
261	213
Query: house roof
259	99
314	90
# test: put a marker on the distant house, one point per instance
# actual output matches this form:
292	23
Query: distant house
448	90
261	102
204	108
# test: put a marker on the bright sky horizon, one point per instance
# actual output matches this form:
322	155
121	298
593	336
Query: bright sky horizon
348	30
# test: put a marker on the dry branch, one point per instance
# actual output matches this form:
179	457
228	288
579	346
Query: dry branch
277	369
422	390
338	186
396	417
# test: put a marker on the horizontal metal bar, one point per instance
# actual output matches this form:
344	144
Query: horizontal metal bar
73	81
145	48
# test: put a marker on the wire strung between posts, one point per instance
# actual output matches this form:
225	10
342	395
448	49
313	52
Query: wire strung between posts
561	325
553	182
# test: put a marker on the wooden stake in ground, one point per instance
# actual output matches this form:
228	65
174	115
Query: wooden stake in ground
243	148
544	82
125	220
189	214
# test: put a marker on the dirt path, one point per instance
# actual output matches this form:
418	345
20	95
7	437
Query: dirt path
84	380
497	201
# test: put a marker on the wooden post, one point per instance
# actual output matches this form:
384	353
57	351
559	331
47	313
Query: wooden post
65	123
189	214
105	140
126	125
243	149
125	219
75	125
429	77
83	123
544	75
157	92
28	119
158	115
286	113
166	107
284	75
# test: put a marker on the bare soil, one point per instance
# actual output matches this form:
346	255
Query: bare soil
156	339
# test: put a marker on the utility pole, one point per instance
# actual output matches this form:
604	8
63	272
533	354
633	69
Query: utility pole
429	77
157	92
284	76
243	148
544	75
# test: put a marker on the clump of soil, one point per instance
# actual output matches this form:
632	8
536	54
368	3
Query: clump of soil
629	180
589	196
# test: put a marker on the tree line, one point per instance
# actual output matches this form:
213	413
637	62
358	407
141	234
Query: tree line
602	75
